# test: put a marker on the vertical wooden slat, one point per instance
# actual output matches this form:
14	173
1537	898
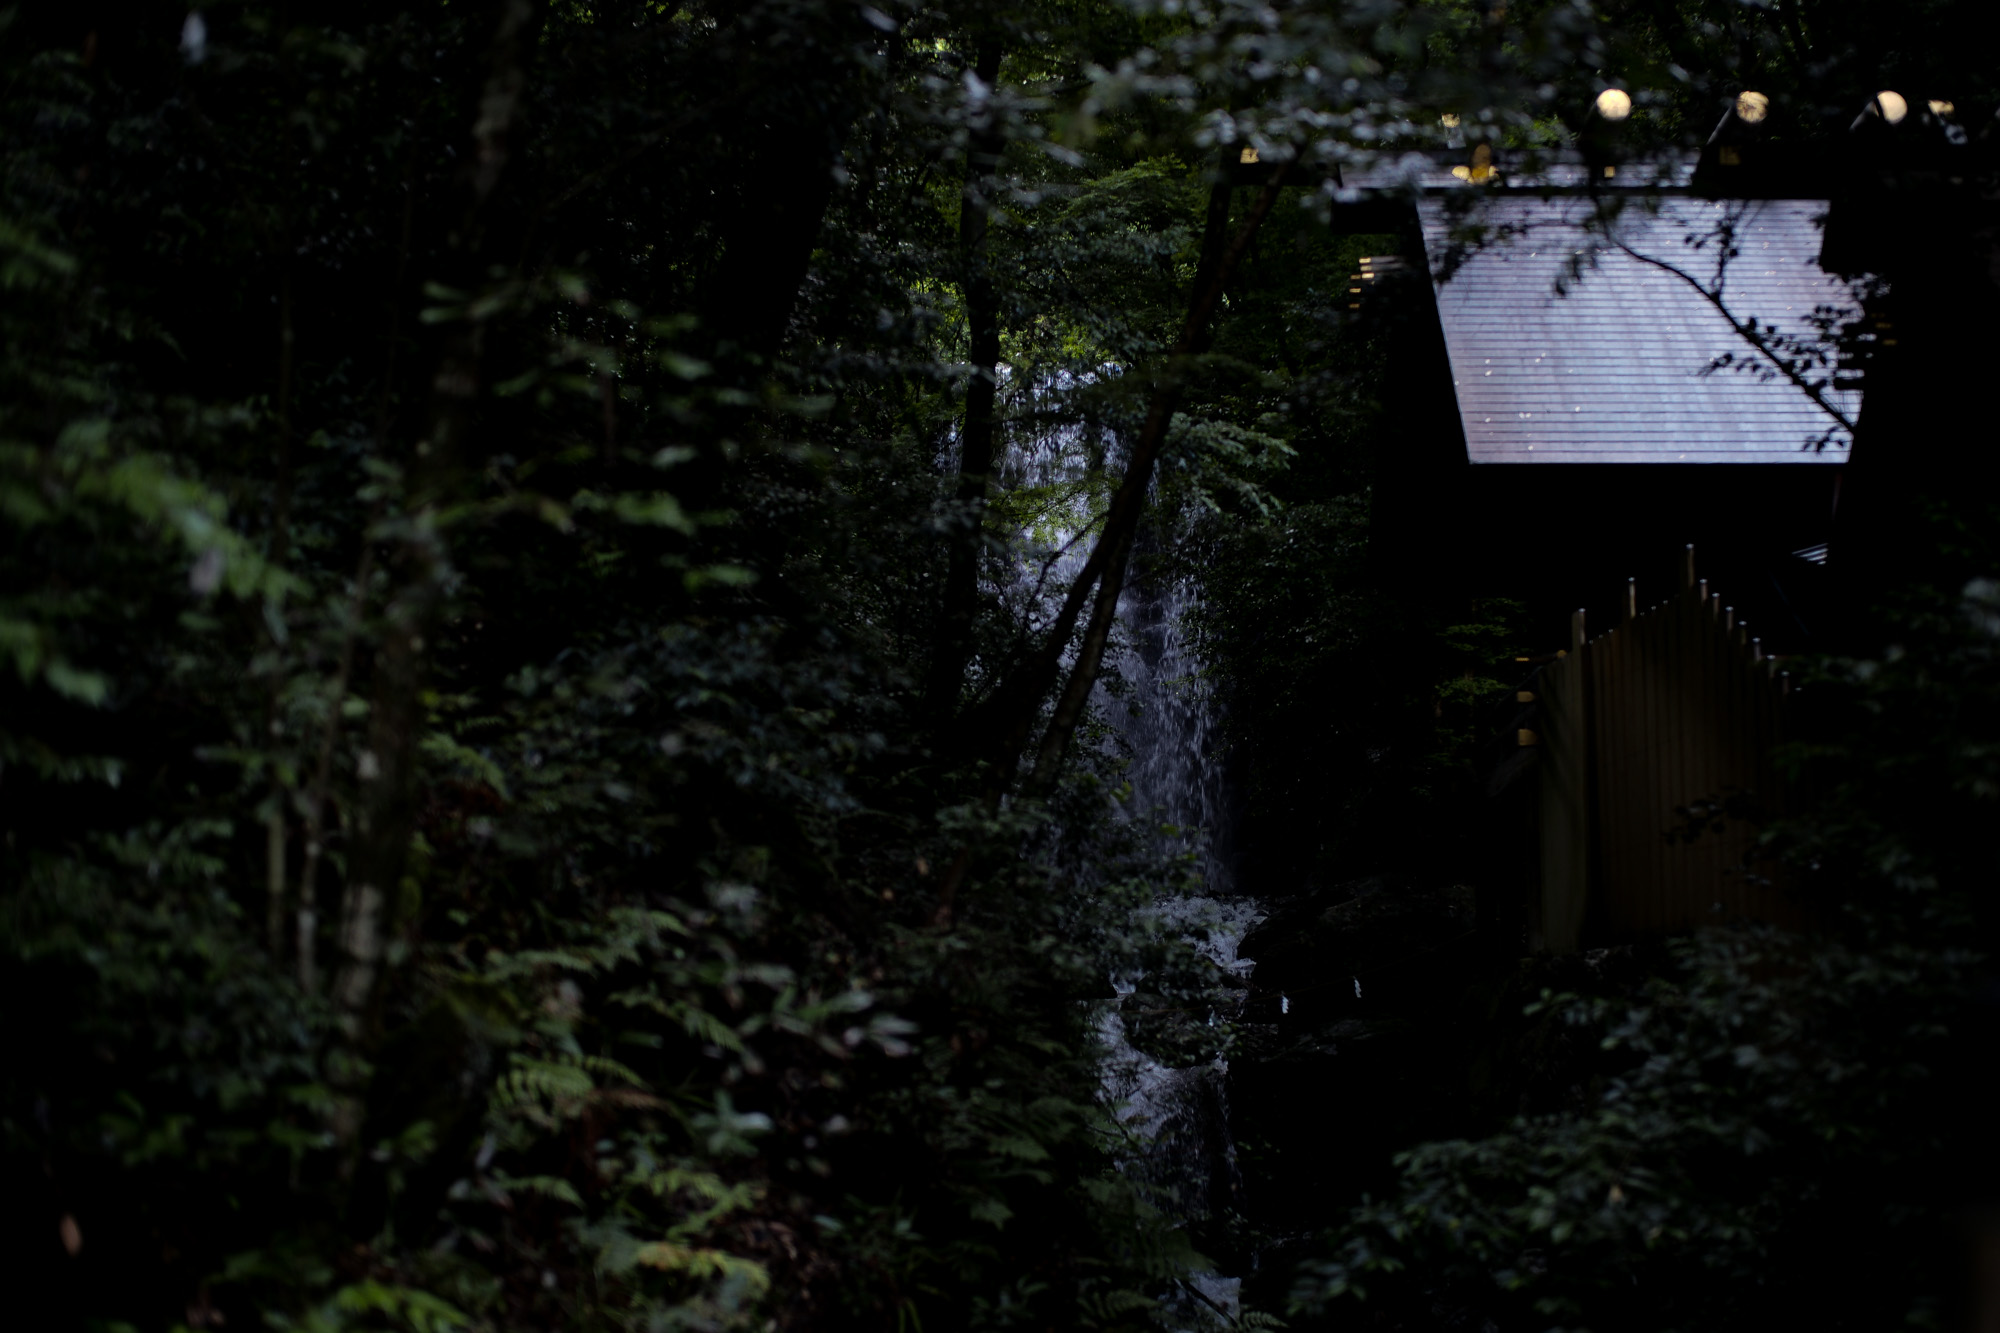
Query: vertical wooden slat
1715	673
1736	720
1622	710
1772	904
1603	671
1683	720
1701	776
1687	738
1743	751
1730	722
1721	660
1702	780
1668	684
1668	707
1714	764
1748	744
1630	722
1603	741
1700	767
1628	738
1618	773
1647	761
1641	772
1756	725
1610	786
1679	719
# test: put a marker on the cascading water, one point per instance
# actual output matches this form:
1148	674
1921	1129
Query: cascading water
1176	1119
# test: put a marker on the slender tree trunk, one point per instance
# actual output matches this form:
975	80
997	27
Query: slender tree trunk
1211	279
319	791
1121	521
275	839
371	908
977	433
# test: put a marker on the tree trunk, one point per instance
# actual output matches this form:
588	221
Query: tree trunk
785	159
372	907
280	554
977	433
1121	522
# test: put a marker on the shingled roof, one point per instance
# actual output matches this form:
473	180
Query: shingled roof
1618	368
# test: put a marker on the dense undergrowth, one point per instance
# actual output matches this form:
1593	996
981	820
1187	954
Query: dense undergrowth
534	794
1694	1133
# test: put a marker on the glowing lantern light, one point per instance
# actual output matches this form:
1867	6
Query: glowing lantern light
1752	107
1614	104
1891	107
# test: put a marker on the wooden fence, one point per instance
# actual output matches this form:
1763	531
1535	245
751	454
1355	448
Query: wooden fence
1654	745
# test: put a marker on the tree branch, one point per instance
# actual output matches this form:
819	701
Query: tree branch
1747	332
1012	710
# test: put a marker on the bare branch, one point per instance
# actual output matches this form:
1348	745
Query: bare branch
1748	332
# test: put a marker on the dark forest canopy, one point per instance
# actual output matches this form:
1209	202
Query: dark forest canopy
552	766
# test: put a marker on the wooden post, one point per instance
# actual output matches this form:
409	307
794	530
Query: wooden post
1631	600
1687	567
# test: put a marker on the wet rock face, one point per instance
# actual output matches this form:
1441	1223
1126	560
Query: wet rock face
1189	1168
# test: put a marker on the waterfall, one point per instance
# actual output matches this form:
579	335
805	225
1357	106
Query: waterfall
1176	1120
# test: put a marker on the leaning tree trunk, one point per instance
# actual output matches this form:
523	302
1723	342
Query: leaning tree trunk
1121	523
1003	725
783	168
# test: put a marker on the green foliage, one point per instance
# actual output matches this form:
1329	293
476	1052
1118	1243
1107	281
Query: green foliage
476	496
1773	1103
1778	1108
650	1023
